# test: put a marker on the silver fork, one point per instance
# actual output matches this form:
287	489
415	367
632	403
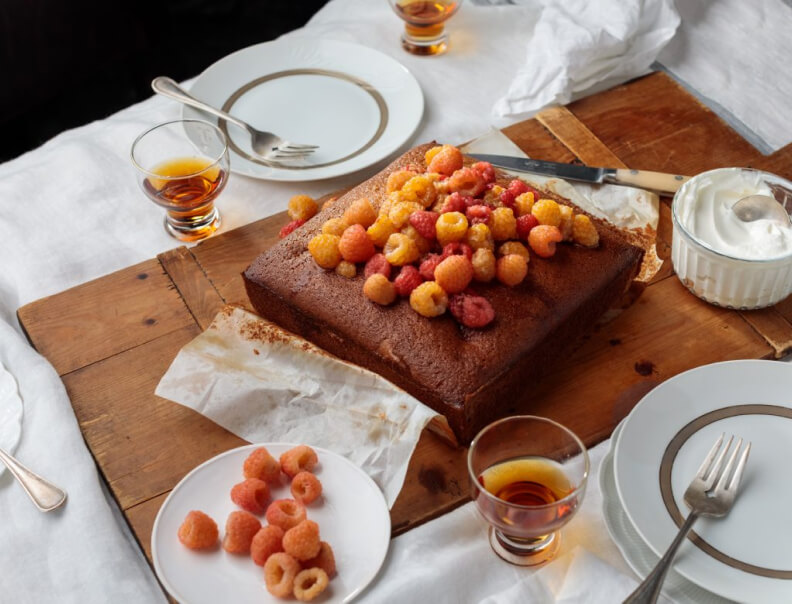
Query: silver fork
703	499
266	145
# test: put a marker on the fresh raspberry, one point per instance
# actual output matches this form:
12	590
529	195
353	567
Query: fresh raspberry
424	222
268	541
503	224
251	494
334	226
378	289
360	212
297	459
381	230
457	249
514	247
288	229
511	270
479	236
524	225
401	249
198	531
262	465
567	221
420	189
454	274
407	280
279	573
492	193
324	249
428	266
472	311
455	203
430	154
400	212
485	169
547	212
346	269
329	202
302	541
285	513
584	232
507	198
306	488
302	207
483	265
422	243
355	245
543	239
518	187
397	179
377	264
446	161
467	181
451	226
309	584
523	203
429	299
478	214
240	529
325	559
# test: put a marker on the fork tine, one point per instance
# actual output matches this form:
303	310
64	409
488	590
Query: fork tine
727	471
294	152
288	156
289	145
716	468
735	481
705	465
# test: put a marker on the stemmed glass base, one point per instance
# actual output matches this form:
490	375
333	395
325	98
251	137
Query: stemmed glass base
524	552
425	46
193	228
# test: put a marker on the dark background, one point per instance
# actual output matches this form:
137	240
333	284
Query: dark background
64	63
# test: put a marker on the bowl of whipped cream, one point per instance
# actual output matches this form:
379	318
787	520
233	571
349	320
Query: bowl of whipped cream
718	257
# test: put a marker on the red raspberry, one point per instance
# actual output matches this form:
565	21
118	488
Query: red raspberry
457	249
454	203
424	222
471	310
518	187
408	279
355	244
478	214
377	264
252	495
525	224
485	169
287	229
428	266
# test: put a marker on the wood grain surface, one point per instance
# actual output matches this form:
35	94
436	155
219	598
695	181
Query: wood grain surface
112	339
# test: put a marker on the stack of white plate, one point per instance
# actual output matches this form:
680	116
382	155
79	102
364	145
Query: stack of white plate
656	451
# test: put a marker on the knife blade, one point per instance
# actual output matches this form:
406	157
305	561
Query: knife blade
656	181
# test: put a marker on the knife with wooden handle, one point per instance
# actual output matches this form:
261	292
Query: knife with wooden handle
655	181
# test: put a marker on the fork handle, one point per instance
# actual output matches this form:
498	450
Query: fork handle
44	494
167	87
649	590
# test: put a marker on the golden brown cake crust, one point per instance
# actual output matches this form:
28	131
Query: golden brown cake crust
471	376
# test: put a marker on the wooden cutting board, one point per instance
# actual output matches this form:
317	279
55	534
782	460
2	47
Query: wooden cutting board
112	339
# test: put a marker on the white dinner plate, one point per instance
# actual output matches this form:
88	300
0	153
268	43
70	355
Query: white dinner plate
10	413
745	556
352	516
357	104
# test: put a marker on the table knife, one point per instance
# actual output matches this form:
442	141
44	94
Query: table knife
655	181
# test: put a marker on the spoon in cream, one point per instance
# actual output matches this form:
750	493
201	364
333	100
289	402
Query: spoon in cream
758	207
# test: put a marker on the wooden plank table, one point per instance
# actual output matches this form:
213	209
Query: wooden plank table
112	339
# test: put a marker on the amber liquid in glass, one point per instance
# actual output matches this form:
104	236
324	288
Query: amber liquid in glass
189	196
424	24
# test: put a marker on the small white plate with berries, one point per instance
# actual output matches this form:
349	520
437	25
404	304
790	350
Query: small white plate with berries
319	530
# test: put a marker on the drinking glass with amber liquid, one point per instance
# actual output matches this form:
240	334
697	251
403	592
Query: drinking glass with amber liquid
183	166
528	477
424	29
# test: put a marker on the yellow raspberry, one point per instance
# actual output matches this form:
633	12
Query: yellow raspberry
424	245
334	226
302	207
523	203
400	212
547	212
442	188
360	212
429	299
451	226
567	218
429	155
400	250
346	269
397	179
324	249
492	196
483	265
381	230
502	224
511	269
479	236
584	232
514	247
420	189
378	289
329	202
385	206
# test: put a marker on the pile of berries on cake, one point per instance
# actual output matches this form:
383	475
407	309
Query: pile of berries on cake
295	560
439	229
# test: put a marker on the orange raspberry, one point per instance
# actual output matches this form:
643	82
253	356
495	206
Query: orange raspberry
378	289
483	265
360	212
346	269
279	573
325	559
397	179
543	239
523	203
355	245
430	155
584	232
420	189
429	299
302	541
479	236
502	224
567	220
381	230
423	244
446	161
268	541
262	465
198	531
547	212
334	226
251	495
285	513
324	249
297	459
240	529
306	488
400	250
302	207
467	181
309	583
511	269
450	227
454	274
514	247
400	212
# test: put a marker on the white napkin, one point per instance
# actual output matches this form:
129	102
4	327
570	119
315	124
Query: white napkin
82	552
582	46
